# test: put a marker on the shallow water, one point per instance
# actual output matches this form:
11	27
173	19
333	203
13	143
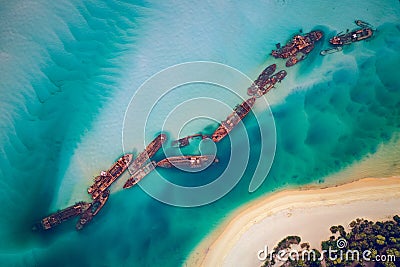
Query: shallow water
69	70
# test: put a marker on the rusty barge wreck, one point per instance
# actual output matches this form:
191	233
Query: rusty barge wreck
140	174
93	209
185	140
260	89
62	216
149	152
262	80
192	162
364	32
233	119
297	48
137	169
351	37
106	178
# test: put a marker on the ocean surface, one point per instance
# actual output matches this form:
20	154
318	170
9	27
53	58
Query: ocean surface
70	68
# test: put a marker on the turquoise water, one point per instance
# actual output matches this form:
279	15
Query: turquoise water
68	69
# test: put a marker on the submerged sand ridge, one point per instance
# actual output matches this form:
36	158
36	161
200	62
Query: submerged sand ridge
307	213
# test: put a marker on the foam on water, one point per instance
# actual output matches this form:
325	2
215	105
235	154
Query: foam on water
69	69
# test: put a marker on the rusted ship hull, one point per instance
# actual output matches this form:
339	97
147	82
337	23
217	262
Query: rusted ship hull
362	24
106	178
63	215
233	119
192	162
331	50
277	77
299	43
140	174
185	141
93	209
262	80
351	37
294	60
268	71
149	152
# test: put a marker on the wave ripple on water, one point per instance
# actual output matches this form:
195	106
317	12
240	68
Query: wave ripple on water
60	63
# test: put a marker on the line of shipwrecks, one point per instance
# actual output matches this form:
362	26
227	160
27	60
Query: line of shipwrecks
138	168
296	50
363	32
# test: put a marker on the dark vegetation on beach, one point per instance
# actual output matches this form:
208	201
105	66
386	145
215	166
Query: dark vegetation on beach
380	239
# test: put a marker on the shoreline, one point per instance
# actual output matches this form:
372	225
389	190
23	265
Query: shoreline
371	198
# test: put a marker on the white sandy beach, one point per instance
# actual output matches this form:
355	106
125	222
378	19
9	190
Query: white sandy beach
307	213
